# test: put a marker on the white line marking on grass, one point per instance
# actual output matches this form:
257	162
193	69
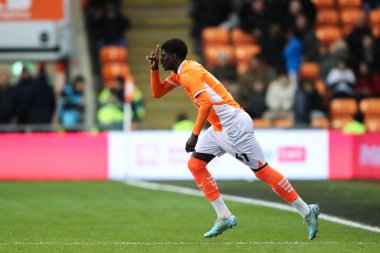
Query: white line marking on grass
193	192
180	243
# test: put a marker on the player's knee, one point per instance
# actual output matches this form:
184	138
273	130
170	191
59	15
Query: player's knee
195	165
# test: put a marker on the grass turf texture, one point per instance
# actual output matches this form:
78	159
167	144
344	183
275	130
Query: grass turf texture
114	217
353	200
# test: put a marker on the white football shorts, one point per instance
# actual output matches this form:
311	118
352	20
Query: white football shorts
238	140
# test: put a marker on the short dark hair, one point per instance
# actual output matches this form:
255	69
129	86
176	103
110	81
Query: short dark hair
175	46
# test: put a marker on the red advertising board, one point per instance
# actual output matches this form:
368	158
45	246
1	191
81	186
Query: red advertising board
42	156
366	156
354	156
26	10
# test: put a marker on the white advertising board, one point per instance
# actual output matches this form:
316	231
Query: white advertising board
160	155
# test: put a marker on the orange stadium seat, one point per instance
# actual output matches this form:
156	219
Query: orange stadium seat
320	86
283	123
320	4
374	21
113	54
327	17
349	3
339	123
370	107
262	123
239	37
372	124
244	53
342	111
328	34
211	54
375	30
342	107
349	17
320	123
113	70
374	17
215	36
309	70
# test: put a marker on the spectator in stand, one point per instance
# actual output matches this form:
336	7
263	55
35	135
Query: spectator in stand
308	38
355	39
257	70
207	14
6	100
293	55
368	84
330	55
254	101
111	25
225	72
41	103
341	81
255	20
300	7
368	52
280	97
274	47
183	123
111	100
22	96
72	104
308	104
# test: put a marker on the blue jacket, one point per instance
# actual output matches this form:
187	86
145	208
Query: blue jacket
293	55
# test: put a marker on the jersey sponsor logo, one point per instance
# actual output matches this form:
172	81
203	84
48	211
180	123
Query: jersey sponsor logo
292	154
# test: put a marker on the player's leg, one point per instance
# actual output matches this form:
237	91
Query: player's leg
244	146
207	149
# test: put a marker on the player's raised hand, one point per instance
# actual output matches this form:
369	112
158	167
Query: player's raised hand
153	58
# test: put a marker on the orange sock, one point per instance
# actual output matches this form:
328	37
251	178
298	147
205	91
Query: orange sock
279	183
203	178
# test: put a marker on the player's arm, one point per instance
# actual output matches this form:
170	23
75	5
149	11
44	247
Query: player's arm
158	87
205	106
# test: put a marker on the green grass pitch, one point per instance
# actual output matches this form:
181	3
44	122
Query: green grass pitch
114	217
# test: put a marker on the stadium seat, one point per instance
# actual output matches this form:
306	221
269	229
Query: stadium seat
320	86
349	18
239	37
309	70
327	17
244	53
113	54
262	123
372	124
113	70
349	3
370	107
374	17
342	107
211	54
342	111
321	4
242	67
283	123
328	34
320	123
375	30
374	21
215	36
339	123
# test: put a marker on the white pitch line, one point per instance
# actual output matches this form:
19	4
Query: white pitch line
193	192
181	243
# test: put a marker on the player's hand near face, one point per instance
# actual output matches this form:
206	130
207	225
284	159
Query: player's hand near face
154	58
191	143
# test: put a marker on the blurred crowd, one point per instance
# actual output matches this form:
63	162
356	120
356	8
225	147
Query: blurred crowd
272	87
